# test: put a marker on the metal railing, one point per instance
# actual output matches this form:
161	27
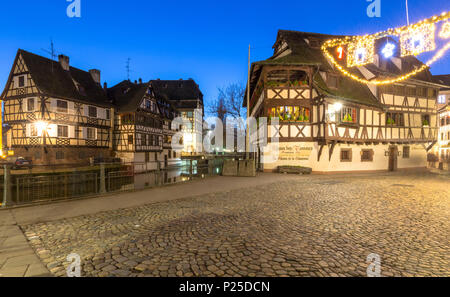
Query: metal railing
51	187
62	182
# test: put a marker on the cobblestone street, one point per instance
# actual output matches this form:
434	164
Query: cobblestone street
307	226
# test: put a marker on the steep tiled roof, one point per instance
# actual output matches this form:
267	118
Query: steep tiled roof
127	96
180	93
53	80
443	80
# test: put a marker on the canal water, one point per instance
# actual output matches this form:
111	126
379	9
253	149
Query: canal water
34	188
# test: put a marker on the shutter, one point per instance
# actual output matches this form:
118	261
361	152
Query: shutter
71	131
71	106
53	105
28	130
84	133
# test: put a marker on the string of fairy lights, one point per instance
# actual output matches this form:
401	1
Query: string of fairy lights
355	51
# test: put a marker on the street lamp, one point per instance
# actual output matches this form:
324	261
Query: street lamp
41	127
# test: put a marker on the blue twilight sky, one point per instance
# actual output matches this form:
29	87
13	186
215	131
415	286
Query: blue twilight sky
204	40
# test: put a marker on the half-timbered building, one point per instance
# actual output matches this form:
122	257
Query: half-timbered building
186	97
57	113
142	131
332	123
443	105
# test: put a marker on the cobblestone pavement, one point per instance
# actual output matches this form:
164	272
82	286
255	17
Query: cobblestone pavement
315	226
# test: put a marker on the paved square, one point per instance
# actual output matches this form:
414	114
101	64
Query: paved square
309	226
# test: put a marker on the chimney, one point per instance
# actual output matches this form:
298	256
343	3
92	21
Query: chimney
64	61
105	86
140	80
95	75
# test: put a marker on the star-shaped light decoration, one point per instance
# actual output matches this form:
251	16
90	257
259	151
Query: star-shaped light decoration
445	31
388	50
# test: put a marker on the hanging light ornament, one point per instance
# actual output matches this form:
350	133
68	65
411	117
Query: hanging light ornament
361	52
419	40
445	31
414	39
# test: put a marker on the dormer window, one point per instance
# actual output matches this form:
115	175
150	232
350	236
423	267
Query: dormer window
314	43
332	81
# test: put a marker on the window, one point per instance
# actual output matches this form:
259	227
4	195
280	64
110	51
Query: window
62	106
290	113
395	119
130	139
21	81
90	133
425	120
406	151
399	90
421	92
63	131
127	119
143	139
92	111
441	99
346	155
348	115
148	104
410	91
366	155
108	114
59	155
30	104
147	157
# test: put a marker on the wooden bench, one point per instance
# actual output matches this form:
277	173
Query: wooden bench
294	169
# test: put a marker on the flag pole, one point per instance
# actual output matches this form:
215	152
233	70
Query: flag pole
407	12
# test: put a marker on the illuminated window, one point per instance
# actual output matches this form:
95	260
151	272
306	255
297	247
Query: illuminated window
395	119
425	120
441	99
348	115
290	113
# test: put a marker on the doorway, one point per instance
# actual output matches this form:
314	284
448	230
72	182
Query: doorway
393	157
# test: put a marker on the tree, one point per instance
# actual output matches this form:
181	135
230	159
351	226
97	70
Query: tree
233	96
229	102
229	105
